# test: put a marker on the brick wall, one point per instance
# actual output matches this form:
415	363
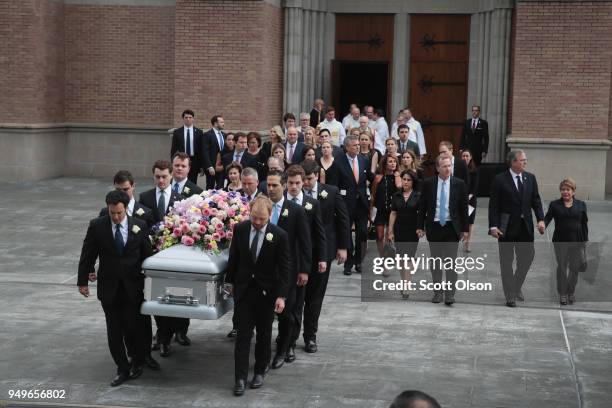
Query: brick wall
31	61
119	64
231	64
562	69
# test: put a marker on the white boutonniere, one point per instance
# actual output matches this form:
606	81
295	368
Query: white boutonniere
308	206
186	190
323	194
140	211
269	237
286	213
135	229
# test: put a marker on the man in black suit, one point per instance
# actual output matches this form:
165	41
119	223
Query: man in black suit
295	181
458	167
124	181
160	199
121	243
189	139
181	185
214	142
475	136
514	195
240	154
354	171
291	217
258	271
337	236
294	149
404	143
443	213
289	120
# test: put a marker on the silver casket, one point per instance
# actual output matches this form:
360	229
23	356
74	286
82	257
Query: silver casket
184	281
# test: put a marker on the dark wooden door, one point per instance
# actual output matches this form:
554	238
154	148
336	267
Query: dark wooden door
439	56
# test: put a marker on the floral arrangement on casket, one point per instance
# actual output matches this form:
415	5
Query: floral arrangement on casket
205	221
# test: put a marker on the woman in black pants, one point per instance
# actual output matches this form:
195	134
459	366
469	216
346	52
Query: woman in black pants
403	220
571	233
466	156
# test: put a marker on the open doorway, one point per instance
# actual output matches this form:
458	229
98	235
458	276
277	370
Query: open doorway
360	82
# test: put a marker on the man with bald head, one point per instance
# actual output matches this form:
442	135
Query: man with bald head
294	149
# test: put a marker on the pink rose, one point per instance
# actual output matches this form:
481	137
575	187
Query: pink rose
176	232
185	228
216	236
202	229
222	234
229	234
187	240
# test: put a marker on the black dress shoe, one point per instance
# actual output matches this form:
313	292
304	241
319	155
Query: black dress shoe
449	300
437	298
136	371
310	346
164	350
347	272
358	268
151	363
278	361
120	379
511	303
258	381
232	333
182	339
520	296
290	356
571	299
239	387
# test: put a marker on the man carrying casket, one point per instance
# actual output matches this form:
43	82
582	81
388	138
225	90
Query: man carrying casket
258	276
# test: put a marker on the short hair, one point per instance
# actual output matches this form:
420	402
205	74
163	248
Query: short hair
162	165
400	127
390	139
288	116
276	159
115	197
310	167
249	171
440	158
187	112
512	155
233	165
181	156
350	138
379	112
232	134
304	115
254	135
296	170
261	202
568	182
446	143
215	119
330	109
411	398
476	106
240	135
122	176
324	130
276	173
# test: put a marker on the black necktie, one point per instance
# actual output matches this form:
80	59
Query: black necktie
254	245
188	147
118	239
519	183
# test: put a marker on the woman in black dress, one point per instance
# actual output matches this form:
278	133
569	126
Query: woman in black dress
403	220
386	182
276	137
255	149
466	156
328	164
367	150
571	233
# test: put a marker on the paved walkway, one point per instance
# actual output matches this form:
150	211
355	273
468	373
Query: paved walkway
477	353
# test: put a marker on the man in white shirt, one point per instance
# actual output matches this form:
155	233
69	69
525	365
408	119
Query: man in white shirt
352	119
382	131
335	128
401	120
416	132
369	113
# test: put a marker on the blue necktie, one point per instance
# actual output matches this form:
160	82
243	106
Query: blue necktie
176	188
275	215
442	204
118	239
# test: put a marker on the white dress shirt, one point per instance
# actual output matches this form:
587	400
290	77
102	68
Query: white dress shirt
416	135
124	229
447	191
130	207
314	191
167	195
191	139
336	129
514	179
298	198
349	122
382	134
219	137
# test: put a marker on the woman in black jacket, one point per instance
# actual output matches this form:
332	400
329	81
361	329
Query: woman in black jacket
466	156
571	233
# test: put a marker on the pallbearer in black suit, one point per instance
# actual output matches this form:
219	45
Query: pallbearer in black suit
295	181
458	167
475	136
291	217
443	213
337	236
514	195
121	243
160	199
214	143
190	140
258	271
354	173
181	185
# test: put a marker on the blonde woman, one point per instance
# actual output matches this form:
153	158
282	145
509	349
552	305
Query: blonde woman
276	136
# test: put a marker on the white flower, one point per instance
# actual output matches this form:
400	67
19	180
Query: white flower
140	211
135	229
308	206
186	190
323	194
286	213
269	236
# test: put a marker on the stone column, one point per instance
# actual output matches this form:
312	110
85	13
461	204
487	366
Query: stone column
401	67
292	78
490	36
